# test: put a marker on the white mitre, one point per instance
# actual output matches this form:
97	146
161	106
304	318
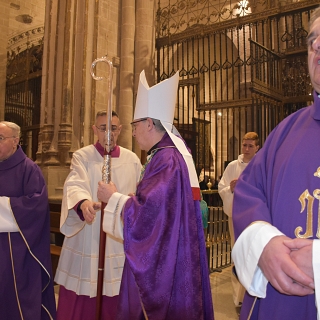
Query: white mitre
158	102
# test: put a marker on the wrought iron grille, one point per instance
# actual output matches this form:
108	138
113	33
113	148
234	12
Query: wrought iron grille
23	95
243	67
218	242
245	73
177	16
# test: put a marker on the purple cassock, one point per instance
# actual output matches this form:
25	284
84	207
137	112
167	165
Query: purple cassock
26	286
281	186
166	267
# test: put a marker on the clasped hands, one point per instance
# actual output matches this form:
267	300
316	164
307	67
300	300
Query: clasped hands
287	265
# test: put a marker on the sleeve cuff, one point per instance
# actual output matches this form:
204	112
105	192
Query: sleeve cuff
77	209
316	275
246	254
112	221
7	219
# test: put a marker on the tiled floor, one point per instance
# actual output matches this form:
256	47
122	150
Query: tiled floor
221	289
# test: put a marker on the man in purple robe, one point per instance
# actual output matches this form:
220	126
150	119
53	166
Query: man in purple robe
166	274
276	213
26	286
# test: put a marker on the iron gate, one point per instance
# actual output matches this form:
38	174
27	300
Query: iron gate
23	95
239	71
243	67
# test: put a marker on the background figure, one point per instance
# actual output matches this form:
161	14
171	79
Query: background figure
26	290
204	179
250	145
80	222
166	272
276	215
204	212
203	203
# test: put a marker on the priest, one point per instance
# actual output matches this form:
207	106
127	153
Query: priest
26	289
276	213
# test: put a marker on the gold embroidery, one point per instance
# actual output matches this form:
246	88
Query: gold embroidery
317	173
306	196
316	194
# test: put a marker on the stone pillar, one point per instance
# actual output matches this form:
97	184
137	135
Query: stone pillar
126	97
144	46
76	33
145	40
66	87
4	22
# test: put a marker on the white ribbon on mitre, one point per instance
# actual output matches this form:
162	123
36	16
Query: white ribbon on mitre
158	102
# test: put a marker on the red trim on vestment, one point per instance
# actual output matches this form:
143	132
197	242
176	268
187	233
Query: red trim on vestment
196	193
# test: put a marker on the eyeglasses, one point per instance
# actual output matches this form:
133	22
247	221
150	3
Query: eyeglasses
103	128
2	139
134	122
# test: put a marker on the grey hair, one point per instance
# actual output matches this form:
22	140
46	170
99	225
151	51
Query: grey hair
314	15
14	127
157	124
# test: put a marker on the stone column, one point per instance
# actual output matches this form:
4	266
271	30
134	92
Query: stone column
4	21
66	87
126	98
145	40
144	46
76	33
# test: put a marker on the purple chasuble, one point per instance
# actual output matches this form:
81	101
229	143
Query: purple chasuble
166	268
25	255
278	187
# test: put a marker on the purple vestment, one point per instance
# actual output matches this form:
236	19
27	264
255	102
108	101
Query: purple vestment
166	266
278	187
25	259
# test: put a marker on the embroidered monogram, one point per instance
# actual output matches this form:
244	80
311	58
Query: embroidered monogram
307	200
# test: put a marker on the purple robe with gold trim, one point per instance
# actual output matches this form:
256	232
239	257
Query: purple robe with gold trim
278	187
166	268
25	261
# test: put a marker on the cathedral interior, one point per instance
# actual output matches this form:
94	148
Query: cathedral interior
242	67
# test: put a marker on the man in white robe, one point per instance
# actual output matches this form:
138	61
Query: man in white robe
80	223
250	146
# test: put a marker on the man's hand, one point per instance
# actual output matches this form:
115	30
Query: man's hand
105	191
301	254
233	184
89	209
280	270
